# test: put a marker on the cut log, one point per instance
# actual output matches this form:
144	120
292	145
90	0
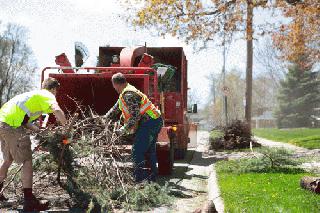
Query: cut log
311	183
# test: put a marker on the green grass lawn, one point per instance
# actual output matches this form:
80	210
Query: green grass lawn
308	138
265	192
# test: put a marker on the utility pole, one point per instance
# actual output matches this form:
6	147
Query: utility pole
225	100
249	33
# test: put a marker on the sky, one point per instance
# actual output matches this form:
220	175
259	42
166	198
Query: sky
53	27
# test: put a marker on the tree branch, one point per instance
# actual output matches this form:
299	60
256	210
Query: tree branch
207	13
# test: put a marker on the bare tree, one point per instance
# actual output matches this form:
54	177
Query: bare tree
17	66
234	89
265	91
269	58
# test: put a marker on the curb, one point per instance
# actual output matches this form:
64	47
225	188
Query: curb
213	189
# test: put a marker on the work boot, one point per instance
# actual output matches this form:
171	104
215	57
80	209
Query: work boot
152	178
140	175
31	203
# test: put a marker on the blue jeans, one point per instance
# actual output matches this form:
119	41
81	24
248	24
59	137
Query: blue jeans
145	142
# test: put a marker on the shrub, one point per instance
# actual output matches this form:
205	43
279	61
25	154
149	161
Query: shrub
236	135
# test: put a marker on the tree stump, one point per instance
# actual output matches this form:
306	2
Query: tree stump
311	184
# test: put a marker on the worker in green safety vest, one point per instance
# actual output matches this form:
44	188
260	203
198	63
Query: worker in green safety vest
16	116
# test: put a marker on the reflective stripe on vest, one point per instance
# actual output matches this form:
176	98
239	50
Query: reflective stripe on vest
21	104
124	109
32	104
146	105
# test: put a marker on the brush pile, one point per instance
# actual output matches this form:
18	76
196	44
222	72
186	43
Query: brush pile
236	135
85	165
89	160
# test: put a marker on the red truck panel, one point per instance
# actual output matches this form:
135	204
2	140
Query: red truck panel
173	108
93	90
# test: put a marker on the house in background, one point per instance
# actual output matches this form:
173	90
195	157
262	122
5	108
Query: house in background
266	120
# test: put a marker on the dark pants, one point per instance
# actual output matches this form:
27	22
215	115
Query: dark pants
145	142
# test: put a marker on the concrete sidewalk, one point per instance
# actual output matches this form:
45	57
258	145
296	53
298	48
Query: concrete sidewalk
269	143
200	181
299	152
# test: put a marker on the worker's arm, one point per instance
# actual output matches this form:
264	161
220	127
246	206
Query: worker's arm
113	112
133	103
59	114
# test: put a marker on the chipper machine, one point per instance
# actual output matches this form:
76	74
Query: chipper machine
159	72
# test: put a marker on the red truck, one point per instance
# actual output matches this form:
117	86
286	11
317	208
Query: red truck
94	89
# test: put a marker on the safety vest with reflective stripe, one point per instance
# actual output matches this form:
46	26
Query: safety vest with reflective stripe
32	104
146	105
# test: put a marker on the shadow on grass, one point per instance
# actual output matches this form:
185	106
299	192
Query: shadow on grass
280	170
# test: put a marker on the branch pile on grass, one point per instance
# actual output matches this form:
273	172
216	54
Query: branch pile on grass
236	135
264	160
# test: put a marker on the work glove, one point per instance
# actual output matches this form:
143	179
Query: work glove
121	131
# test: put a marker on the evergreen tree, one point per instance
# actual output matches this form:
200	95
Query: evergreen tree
298	96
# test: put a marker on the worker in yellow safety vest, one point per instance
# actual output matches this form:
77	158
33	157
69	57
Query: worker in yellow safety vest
141	118
16	116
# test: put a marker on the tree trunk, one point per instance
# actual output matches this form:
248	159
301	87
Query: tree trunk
1	97
311	183
9	89
248	106
6	76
